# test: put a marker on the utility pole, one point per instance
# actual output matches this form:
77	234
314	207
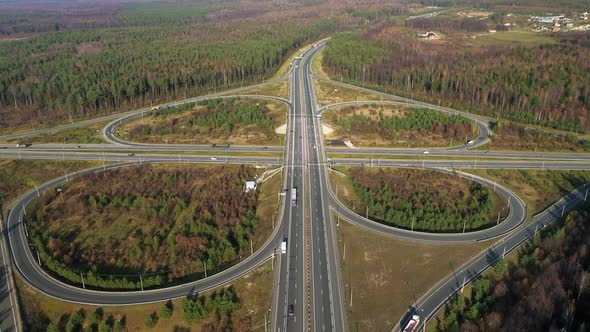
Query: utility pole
463	285
498	218
251	248
344	251
563	210
83	285
141	282
38	258
586	195
504	252
37	188
464	224
413	218
205	266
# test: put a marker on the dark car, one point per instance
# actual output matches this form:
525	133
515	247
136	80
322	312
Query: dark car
291	310
131	154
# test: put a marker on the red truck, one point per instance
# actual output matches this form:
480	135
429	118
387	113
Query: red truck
412	324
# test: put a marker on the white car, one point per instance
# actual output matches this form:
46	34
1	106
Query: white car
213	158
426	152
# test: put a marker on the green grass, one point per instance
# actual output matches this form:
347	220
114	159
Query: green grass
254	290
84	135
525	38
173	125
538	189
18	176
387	274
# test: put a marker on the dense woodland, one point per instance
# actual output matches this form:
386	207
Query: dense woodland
514	136
78	73
546	84
431	201
212	119
415	121
545	289
164	223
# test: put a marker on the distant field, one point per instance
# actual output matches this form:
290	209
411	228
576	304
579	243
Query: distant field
91	134
329	93
280	89
511	37
254	291
538	188
387	275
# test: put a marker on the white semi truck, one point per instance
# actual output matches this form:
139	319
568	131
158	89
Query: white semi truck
294	196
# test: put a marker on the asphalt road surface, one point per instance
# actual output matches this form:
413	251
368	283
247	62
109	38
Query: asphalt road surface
26	261
309	293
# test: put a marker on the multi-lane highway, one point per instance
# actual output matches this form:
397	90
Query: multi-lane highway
309	294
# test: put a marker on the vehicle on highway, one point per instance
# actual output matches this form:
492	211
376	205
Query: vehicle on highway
412	324
426	152
291	310
294	196
131	154
469	143
284	246
155	108
213	158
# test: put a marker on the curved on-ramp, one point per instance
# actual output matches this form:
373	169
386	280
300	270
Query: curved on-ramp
516	216
108	132
27	264
484	131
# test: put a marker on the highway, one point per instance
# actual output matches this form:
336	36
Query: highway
144	147
329	314
438	152
309	275
514	233
428	304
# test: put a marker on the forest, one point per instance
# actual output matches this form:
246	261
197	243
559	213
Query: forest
81	73
546	84
415	121
545	287
212	120
164	223
514	136
423	200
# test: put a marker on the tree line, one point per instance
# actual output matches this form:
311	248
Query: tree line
423	200
164	224
389	127
217	117
89	72
544	84
545	288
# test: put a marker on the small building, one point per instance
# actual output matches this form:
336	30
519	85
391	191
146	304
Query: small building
428	35
250	186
